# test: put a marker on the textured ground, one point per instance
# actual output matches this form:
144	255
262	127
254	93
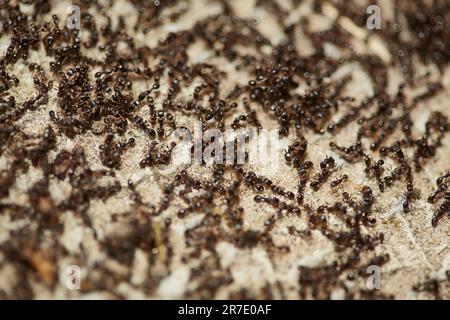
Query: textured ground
67	200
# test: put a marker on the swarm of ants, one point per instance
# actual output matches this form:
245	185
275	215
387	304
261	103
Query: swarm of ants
98	97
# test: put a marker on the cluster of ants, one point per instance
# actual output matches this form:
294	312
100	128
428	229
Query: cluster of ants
97	96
